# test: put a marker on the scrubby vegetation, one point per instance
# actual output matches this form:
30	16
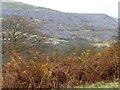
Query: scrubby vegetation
57	72
26	64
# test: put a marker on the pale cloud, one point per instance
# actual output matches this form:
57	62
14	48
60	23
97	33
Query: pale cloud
109	7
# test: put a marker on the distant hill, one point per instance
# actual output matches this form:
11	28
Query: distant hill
93	27
6	1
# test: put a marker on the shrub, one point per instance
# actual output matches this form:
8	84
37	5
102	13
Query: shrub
57	72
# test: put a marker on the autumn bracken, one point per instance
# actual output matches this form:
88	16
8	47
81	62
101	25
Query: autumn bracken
57	72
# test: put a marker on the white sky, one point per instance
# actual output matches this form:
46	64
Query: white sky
109	7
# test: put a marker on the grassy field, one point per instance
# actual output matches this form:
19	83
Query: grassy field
101	85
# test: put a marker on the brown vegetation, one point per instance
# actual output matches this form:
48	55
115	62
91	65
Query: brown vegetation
56	72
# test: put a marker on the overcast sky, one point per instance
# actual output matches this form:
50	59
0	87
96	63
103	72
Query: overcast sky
109	7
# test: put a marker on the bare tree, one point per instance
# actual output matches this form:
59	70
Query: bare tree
19	34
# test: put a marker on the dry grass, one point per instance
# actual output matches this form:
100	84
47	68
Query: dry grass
55	72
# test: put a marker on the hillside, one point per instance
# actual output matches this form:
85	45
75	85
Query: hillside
45	48
93	27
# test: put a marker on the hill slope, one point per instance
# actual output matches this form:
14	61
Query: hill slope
94	27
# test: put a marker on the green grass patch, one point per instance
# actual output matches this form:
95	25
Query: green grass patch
101	85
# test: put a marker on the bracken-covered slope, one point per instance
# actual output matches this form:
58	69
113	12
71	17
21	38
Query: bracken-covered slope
94	27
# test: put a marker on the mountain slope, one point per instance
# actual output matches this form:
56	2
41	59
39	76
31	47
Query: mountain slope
94	27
